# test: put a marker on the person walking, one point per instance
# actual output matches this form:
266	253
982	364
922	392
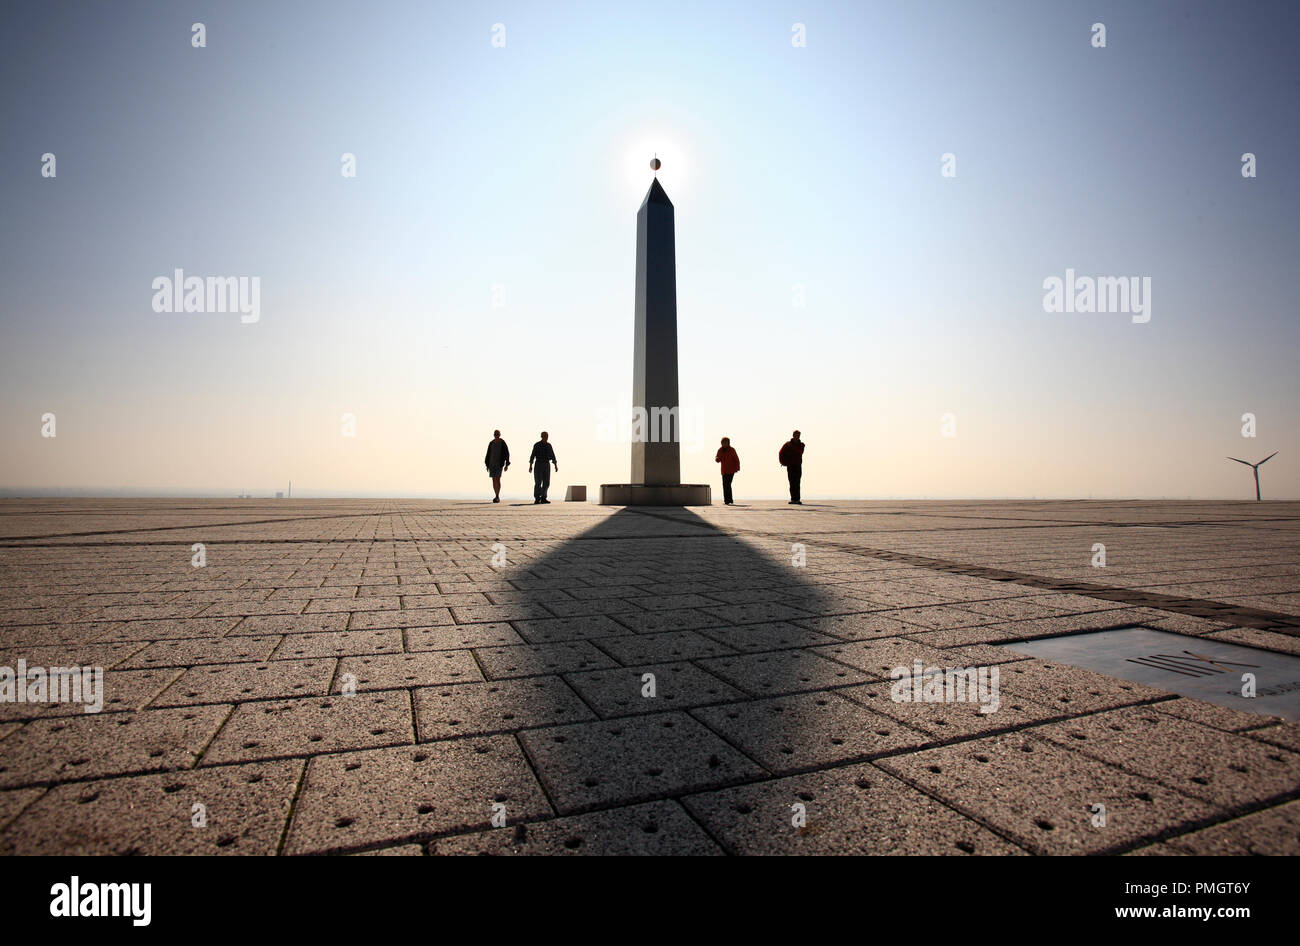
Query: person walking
791	457
730	461
497	460
543	455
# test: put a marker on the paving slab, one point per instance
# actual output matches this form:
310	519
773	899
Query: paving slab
1273	832
341	644
460	637
188	653
753	638
1071	690
430	789
945	721
1226	769
282	728
535	659
782	671
401	671
123	690
630	760
623	691
857	627
654	622
244	810
1045	797
410	617
554	630
232	683
856	809
662	648
801	731
655	828
510	705
75	748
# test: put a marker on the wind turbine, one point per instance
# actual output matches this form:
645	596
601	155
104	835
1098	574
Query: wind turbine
1255	467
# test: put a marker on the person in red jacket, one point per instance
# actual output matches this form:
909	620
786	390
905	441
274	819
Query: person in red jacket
730	461
791	457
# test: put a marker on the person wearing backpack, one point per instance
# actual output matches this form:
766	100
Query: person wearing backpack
791	457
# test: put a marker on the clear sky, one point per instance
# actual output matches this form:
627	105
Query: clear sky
521	167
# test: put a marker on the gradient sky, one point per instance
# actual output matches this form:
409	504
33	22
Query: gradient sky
524	166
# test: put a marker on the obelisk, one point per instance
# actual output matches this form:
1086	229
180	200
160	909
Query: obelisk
656	423
656	447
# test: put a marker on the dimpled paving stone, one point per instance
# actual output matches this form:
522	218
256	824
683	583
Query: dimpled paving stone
498	706
761	612
881	659
203	628
622	691
269	730
345	643
1071	690
630	760
244	812
415	617
1286	735
460	637
534	659
653	622
290	624
356	799
123	690
230	683
659	648
107	656
949	720
782	671
857	809
806	730
752	638
660	827
81	747
940	617
399	671
570	609
1271	832
1043	796
568	629
491	613
376	603
1213	715
187	653
857	627
1226	769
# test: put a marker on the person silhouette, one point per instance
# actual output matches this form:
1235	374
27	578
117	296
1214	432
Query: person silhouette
497	460
730	461
542	453
791	457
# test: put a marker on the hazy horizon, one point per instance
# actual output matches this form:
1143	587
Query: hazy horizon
477	272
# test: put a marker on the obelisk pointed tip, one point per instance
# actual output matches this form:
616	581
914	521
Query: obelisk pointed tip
656	195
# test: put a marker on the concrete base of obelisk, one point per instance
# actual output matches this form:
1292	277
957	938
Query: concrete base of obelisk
635	494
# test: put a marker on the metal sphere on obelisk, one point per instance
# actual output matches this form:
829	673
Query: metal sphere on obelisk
656	420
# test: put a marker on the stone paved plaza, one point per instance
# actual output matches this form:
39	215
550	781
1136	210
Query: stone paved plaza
362	677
